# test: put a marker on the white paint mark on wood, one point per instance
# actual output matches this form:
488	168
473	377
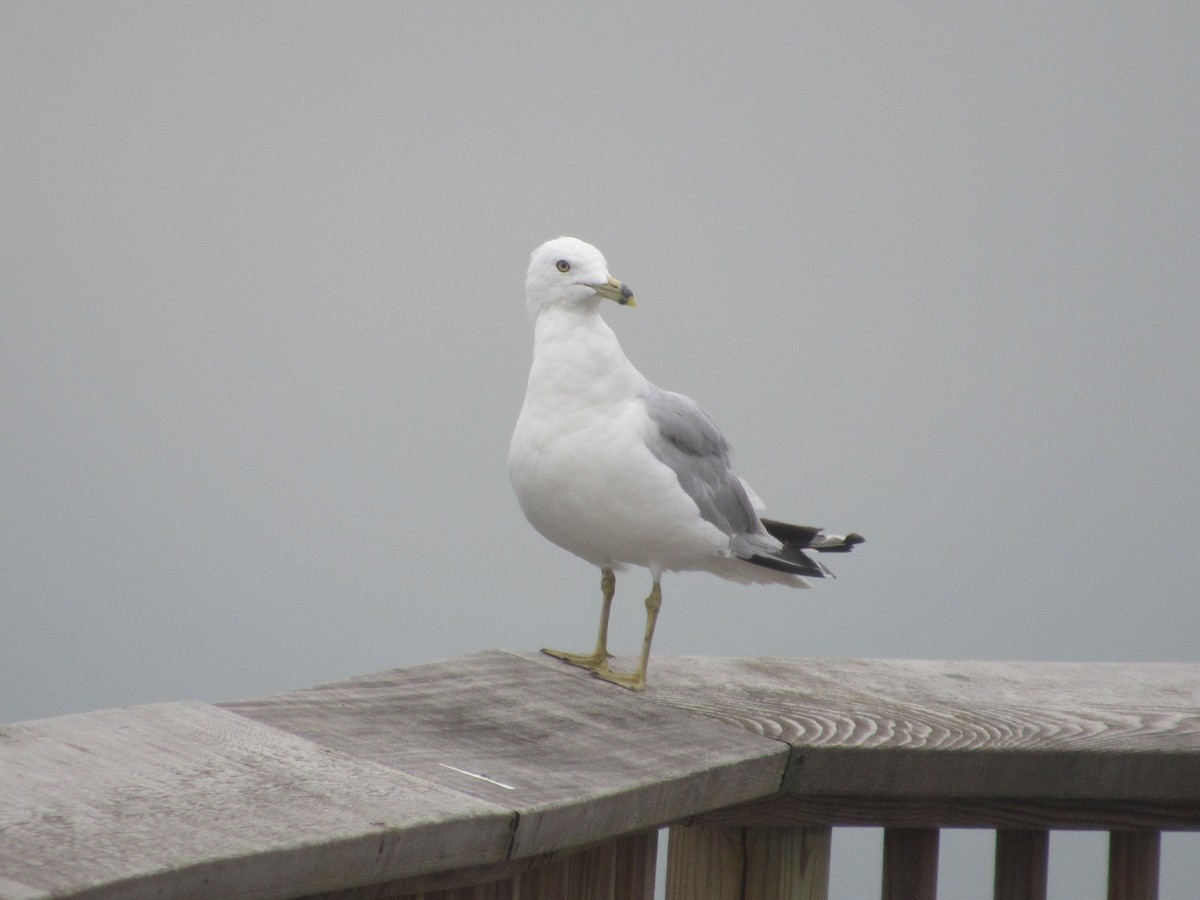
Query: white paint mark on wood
507	787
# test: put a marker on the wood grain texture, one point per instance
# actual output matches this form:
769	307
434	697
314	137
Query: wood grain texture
506	890
578	759
1021	869
618	870
189	800
480	771
766	863
1133	858
15	890
636	866
962	729
938	812
705	862
631	859
910	863
787	863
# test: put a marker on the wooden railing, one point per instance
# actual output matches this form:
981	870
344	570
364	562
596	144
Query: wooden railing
505	775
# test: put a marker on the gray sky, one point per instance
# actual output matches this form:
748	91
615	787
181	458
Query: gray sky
262	332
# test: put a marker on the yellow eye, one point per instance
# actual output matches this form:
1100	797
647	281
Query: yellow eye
563	266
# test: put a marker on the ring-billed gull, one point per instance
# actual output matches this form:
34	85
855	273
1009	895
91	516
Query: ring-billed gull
620	472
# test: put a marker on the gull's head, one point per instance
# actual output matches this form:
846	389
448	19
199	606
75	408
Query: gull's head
569	272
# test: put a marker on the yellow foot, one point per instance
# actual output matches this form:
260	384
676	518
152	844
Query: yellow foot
634	681
593	662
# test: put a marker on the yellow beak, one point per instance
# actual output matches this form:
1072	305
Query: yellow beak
614	290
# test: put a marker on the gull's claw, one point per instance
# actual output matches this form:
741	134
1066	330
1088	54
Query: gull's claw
593	662
634	681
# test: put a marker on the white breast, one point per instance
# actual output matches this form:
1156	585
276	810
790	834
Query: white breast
579	462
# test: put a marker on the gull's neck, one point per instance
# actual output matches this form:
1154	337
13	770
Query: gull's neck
576	355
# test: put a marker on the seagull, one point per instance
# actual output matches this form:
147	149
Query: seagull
623	473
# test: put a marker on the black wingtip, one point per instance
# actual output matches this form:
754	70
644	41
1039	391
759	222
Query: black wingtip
803	536
797	535
793	562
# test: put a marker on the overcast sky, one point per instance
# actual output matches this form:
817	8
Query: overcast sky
263	340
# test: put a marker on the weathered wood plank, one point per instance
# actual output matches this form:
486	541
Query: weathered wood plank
1022	859
188	800
787	863
910	863
1133	858
15	890
483	770
938	812
506	890
636	866
704	862
767	863
628	865
580	760
622	868
950	704
962	729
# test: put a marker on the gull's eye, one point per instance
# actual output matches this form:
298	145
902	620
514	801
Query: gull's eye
563	266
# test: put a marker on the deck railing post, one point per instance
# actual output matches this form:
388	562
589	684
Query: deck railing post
791	863
504	776
1133	865
704	862
1021	864
623	868
910	863
635	866
708	862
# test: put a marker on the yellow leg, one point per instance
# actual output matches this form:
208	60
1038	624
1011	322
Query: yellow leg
636	681
597	660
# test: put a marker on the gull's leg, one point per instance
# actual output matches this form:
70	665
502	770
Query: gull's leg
598	659
636	681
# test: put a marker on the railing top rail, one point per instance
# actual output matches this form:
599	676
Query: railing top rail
498	756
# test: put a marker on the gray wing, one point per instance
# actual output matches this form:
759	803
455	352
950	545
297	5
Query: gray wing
689	442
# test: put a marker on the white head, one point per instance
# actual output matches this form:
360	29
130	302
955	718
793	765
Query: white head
569	272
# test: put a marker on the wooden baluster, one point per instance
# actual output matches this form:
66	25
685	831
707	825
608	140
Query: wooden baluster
634	867
790	863
497	890
623	868
1133	865
704	862
1021	864
707	862
910	861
